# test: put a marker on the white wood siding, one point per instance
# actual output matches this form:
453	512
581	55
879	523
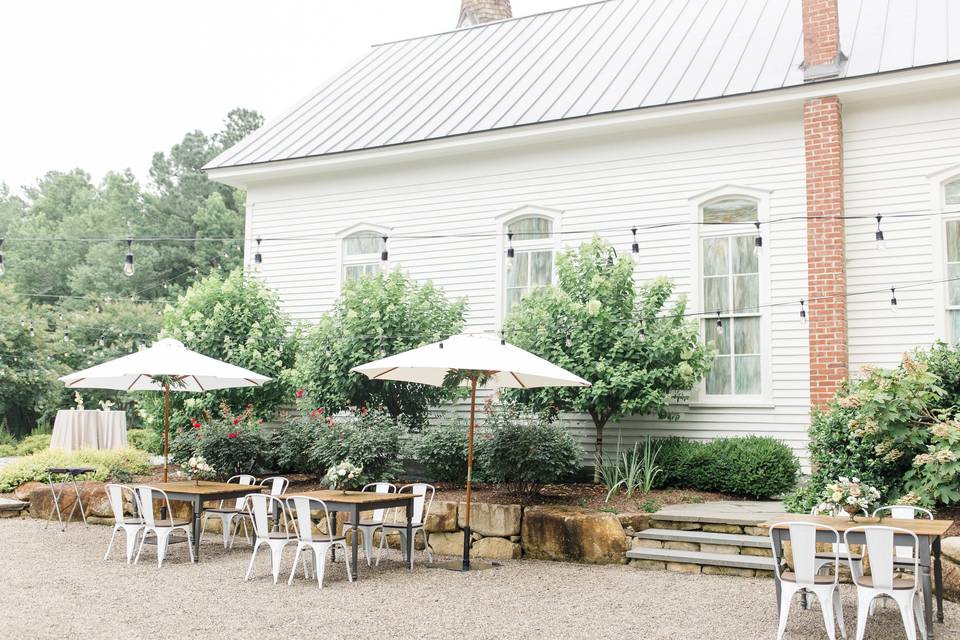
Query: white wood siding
598	184
891	148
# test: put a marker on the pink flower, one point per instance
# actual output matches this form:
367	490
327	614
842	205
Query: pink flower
232	436
331	422
299	393
236	421
196	425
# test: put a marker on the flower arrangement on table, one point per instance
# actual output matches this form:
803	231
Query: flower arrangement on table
343	476
850	495
197	468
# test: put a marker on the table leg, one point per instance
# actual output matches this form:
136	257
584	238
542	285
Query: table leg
777	554
56	503
356	538
79	502
409	549
925	583
197	508
938	578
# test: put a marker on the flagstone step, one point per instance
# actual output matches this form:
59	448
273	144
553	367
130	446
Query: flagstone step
701	558
704	537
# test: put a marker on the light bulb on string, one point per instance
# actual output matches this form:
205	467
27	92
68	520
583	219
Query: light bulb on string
642	335
803	314
258	258
32	333
128	268
510	252
893	299
719	325
881	243
758	241
384	254
635	247
66	336
569	341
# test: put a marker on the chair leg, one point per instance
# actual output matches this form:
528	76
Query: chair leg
293	569
383	539
253	556
190	544
110	546
226	520
918	615
347	563
906	614
143	540
276	555
826	608
162	535
203	525
864	598
426	544
786	598
367	535
132	534
321	564
838	613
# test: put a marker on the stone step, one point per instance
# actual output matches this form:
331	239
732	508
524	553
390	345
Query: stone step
702	558
6	504
704	537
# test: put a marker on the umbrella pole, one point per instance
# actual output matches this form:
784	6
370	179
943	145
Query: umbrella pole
166	427
466	529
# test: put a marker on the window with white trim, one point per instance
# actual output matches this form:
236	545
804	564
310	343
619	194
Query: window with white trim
361	255
532	264
730	285
951	201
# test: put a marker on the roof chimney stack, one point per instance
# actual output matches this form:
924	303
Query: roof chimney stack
474	12
821	40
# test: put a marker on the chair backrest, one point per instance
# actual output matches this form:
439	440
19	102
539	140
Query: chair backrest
302	508
147	495
115	493
245	479
803	541
278	486
380	487
880	549
904	512
422	502
260	508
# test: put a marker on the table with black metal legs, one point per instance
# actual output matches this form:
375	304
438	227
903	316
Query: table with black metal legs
355	503
73	472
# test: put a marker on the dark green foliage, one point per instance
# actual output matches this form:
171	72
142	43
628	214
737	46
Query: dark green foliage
231	444
293	442
368	439
943	361
145	440
442	450
524	451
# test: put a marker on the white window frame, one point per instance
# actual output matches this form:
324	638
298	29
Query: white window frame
942	214
699	396
553	242
343	260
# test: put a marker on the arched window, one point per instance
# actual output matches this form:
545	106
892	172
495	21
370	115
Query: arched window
730	289
951	200
532	264
361	255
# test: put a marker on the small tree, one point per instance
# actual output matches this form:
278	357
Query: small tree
636	352
375	317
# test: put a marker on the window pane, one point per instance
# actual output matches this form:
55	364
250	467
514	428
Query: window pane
746	292
744	258
530	228
541	268
953	272
513	297
715	259
718	378
953	192
953	319
747	374
352	272
720	341
715	294
362	243
519	275
746	335
730	210
953	241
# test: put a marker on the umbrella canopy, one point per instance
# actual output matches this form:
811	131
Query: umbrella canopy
475	357
164	366
505	364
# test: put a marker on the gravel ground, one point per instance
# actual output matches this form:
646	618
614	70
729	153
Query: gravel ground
55	585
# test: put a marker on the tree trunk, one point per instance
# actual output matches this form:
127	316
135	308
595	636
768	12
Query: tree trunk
598	424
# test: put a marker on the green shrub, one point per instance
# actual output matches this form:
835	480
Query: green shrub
442	450
368	439
292	444
6	438
524	451
145	440
753	466
113	464
33	443
229	443
7	450
681	461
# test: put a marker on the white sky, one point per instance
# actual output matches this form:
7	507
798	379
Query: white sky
102	84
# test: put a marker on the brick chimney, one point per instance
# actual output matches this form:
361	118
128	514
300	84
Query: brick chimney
474	12
821	40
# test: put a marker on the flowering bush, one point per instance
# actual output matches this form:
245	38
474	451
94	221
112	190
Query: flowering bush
230	443
369	438
343	476
848	492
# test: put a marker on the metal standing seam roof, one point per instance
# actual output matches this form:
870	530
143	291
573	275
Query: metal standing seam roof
609	56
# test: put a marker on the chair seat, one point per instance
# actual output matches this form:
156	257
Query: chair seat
162	523
281	535
413	525
790	576
225	510
843	556
325	540
131	520
367	523
898	583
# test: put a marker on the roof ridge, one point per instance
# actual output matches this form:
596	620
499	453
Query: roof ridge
494	22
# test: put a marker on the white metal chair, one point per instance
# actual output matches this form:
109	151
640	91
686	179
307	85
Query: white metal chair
808	578
882	582
301	508
259	509
421	509
904	512
367	528
161	528
825	559
229	512
131	525
277	487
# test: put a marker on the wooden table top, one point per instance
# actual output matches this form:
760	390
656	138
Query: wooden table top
921	527
352	497
206	488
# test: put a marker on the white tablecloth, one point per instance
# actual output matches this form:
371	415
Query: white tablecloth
89	430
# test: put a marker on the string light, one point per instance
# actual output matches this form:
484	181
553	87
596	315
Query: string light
128	269
643	333
66	336
758	242
803	314
257	258
510	252
881	243
635	247
893	299
384	255
719	325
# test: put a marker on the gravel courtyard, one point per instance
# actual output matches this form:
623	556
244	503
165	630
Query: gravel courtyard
55	585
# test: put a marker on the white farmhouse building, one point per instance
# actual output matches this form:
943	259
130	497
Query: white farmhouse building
810	117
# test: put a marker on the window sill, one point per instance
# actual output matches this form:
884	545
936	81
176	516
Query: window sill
730	404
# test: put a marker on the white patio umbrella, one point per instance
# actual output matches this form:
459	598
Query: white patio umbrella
152	369
473	357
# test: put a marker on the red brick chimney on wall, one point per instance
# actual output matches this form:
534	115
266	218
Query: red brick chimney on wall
474	12
826	259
